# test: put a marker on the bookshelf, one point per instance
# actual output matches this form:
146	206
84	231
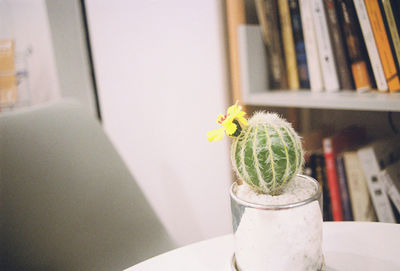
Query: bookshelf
310	110
254	84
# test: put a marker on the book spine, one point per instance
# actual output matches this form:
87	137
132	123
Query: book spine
299	44
391	189
329	72
288	45
341	60
376	188
311	47
274	78
358	190
394	33
276	53
372	48
383	45
333	183
396	10
355	46
320	171
346	205
317	166
262	21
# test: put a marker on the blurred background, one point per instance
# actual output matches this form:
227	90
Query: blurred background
155	74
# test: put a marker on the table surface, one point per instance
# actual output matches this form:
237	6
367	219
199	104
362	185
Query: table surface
347	246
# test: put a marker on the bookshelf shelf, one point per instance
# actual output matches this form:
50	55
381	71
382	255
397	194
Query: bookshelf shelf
343	100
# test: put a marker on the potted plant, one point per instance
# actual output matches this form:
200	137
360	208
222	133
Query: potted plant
276	211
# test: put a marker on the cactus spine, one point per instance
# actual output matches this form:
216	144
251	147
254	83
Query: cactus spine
267	154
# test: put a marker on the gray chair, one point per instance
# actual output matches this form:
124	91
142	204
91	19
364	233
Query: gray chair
68	202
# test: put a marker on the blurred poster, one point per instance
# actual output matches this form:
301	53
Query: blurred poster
25	23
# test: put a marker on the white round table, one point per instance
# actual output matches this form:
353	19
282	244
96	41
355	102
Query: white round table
347	246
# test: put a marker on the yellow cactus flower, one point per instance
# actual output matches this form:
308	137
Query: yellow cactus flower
232	123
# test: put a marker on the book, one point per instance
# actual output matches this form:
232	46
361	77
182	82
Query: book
327	61
317	171
271	7
339	52
393	29
360	198
372	48
383	45
299	44
311	47
355	46
235	16
267	14
288	45
374	157
344	191
391	181
8	78
315	164
396	10
262	21
332	146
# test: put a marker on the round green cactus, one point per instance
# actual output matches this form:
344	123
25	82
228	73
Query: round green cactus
267	154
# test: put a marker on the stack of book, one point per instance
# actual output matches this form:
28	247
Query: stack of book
360	179
332	45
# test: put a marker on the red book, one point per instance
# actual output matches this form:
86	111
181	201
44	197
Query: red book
332	146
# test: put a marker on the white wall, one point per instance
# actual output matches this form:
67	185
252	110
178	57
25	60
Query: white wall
162	77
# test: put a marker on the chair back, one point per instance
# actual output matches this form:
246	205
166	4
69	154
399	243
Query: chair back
68	201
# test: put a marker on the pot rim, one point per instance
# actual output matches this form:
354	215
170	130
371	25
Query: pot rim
313	197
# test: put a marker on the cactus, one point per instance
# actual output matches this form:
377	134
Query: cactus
267	153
